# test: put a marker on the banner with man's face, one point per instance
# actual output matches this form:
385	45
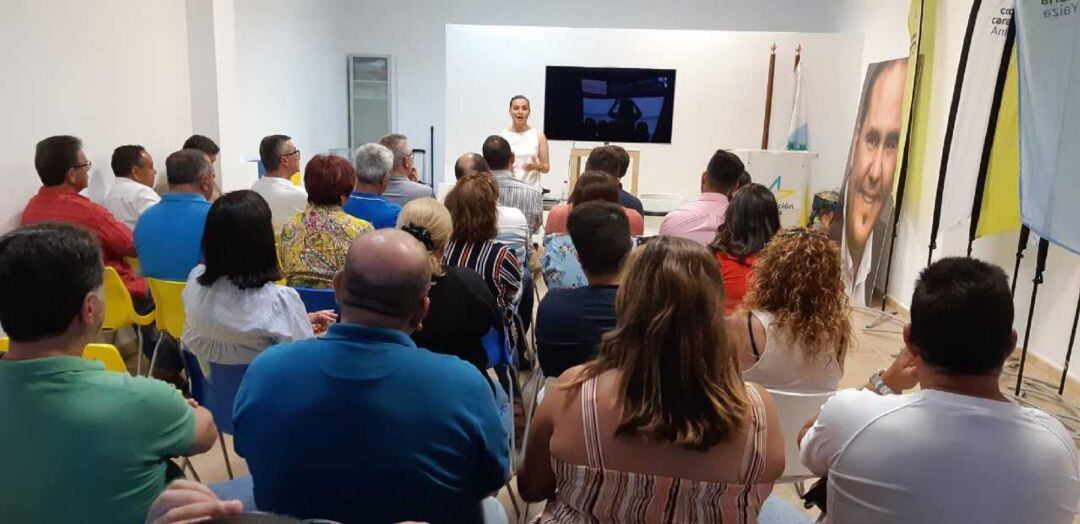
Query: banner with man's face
867	191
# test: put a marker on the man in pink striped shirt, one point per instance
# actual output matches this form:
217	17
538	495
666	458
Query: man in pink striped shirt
699	220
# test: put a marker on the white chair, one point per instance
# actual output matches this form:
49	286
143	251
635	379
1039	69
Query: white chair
794	409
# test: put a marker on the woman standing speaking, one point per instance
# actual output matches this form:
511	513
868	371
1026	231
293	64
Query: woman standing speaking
529	144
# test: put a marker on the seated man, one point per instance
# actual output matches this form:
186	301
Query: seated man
282	160
569	322
64	170
512	191
360	425
132	192
373	165
81	444
403	185
615	161
168	236
958	450
513	229
699	220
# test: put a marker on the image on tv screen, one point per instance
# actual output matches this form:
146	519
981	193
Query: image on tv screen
609	104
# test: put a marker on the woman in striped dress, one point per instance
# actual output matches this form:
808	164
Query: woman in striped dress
473	209
660	427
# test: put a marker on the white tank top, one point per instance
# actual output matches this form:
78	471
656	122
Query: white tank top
526	146
783	364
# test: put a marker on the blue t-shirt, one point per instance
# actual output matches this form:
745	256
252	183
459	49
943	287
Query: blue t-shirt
381	212
569	323
361	425
168	236
630	201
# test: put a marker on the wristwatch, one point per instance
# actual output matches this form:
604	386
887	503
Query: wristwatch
879	385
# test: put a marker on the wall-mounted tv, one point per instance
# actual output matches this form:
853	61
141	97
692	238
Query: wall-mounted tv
609	104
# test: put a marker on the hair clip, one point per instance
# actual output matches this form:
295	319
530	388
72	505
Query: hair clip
420	233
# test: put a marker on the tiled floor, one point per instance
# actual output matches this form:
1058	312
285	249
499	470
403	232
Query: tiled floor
871	352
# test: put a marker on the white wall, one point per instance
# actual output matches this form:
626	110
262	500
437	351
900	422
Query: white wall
719	91
110	74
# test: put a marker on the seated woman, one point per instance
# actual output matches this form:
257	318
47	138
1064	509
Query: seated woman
660	423
462	307
235	309
314	243
793	329
591	185
751	220
472	204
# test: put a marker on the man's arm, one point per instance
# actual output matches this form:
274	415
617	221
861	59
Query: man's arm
116	238
205	430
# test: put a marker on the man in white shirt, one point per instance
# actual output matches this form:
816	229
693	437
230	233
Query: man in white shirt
403	185
282	160
957	450
132	192
512	191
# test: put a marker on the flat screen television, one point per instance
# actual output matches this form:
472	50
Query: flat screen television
609	104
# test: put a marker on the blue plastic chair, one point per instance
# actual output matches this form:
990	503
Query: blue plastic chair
318	299
214	387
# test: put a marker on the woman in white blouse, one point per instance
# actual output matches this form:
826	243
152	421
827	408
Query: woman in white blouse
235	307
528	143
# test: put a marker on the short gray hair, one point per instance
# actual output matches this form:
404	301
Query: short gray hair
399	145
373	163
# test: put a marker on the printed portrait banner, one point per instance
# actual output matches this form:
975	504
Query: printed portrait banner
1048	42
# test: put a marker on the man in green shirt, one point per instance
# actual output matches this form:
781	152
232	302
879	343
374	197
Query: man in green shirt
79	444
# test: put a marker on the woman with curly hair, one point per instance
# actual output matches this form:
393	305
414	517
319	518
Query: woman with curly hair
793	329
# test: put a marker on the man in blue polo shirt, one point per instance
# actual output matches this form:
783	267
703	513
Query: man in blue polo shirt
361	425
168	236
373	165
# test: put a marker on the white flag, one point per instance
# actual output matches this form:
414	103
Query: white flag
798	133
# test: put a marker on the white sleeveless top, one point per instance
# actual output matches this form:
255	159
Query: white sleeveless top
783	365
526	146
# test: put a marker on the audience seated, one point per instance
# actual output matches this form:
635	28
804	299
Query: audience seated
361	425
132	191
793	329
513	192
64	171
699	220
591	185
462	308
958	450
206	145
234	307
168	236
373	165
472	244
313	243
281	159
80	444
569	322
614	160
513	227
750	222
660	423
403	185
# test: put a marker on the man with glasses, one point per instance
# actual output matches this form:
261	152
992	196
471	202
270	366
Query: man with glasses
403	185
282	160
65	171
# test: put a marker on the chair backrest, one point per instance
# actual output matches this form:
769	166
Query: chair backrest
169	306
4	344
214	386
794	409
497	348
317	299
119	308
106	354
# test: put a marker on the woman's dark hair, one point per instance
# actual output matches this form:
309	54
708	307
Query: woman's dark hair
473	205
520	97
595	185
751	220
327	178
238	242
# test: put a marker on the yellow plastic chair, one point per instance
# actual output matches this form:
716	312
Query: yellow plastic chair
106	354
120	310
3	345
169	313
297	179
135	264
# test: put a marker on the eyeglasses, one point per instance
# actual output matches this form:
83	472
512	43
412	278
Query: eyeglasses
295	152
80	166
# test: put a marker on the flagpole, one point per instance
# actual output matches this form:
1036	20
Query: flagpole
768	99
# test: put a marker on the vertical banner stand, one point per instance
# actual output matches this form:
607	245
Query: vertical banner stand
1068	353
1020	247
1040	266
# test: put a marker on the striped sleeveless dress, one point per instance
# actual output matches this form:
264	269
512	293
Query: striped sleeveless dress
593	493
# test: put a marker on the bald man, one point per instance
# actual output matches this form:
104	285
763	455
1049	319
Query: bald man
513	227
360	425
470	164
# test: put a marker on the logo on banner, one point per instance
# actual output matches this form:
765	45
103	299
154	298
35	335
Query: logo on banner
782	194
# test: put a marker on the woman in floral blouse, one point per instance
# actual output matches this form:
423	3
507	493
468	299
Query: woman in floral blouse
314	243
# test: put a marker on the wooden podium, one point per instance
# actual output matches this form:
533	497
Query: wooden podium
577	154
